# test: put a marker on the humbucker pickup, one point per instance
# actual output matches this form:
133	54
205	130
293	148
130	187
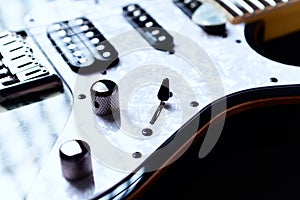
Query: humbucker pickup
151	31
82	46
21	73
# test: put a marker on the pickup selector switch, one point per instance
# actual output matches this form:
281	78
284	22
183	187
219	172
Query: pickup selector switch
105	97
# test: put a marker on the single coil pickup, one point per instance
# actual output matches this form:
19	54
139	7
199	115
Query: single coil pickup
148	28
82	46
188	7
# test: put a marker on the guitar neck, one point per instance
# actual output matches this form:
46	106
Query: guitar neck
274	13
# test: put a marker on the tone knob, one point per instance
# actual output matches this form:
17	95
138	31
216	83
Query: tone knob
105	97
75	160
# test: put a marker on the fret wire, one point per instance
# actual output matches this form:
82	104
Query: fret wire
245	6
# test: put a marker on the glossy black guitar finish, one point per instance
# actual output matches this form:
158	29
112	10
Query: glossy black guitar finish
257	157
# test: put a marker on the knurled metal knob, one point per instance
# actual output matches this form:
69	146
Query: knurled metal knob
105	97
75	157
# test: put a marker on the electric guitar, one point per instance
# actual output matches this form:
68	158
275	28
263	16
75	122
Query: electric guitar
95	97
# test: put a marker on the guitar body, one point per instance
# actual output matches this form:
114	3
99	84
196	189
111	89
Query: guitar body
256	157
211	78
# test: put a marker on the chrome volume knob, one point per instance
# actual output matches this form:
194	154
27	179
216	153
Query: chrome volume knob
105	97
75	157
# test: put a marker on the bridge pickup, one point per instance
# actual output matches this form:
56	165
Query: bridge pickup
21	74
82	46
151	31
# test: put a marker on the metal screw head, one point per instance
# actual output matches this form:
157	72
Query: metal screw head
136	155
81	96
147	132
273	79
194	104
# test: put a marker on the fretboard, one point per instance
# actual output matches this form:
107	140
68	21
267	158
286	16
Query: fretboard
241	11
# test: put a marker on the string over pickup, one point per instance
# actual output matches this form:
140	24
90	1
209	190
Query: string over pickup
148	28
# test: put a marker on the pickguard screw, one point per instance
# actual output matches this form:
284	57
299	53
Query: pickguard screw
194	104
136	155
274	80
81	96
147	132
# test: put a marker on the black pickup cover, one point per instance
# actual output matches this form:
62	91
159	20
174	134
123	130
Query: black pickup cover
82	46
188	7
152	32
